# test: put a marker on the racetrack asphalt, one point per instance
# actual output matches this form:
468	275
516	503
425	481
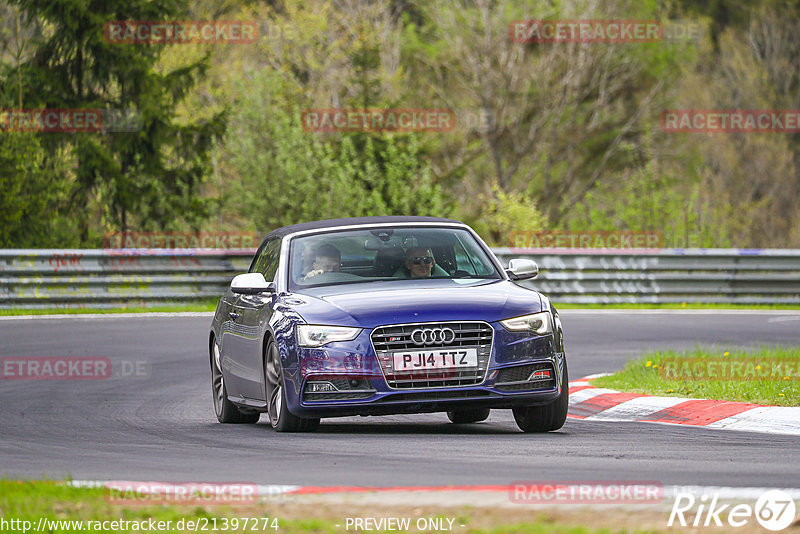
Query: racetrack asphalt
161	426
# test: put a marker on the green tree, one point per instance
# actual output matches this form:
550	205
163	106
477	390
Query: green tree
273	172
561	120
31	203
142	179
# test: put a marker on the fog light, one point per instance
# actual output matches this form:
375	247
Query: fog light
320	387
541	374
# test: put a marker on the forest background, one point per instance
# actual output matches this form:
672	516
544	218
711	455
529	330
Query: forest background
548	136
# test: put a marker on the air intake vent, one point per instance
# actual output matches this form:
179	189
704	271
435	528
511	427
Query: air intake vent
526	377
326	388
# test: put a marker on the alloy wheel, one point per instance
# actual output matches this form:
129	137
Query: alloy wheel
217	381
274	384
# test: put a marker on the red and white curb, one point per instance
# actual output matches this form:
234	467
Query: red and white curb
600	404
492	495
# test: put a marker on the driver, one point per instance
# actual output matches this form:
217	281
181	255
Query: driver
327	259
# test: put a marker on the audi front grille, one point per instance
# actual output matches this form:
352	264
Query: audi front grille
386	340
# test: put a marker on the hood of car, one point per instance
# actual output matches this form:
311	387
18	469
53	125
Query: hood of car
371	305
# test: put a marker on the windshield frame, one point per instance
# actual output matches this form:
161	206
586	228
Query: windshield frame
288	241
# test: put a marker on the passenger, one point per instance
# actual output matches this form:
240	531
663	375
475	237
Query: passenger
327	259
419	262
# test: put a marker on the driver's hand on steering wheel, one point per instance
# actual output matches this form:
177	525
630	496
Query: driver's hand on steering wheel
313	273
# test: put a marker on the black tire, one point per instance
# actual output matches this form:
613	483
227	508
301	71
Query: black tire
547	417
281	419
462	417
227	412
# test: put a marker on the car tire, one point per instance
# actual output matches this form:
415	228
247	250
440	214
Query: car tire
462	417
226	411
281	419
547	417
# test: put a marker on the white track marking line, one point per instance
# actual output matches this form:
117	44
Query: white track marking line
783	319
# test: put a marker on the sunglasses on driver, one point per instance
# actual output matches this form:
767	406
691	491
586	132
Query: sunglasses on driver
419	260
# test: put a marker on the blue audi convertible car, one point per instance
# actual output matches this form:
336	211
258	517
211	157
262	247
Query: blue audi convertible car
385	315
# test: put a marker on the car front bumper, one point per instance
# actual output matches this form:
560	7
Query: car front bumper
514	376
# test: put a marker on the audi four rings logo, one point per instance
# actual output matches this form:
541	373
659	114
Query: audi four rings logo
433	336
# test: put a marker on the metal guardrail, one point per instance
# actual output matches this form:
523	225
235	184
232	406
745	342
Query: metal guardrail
112	277
738	276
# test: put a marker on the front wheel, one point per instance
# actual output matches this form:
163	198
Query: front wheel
281	419
547	417
226	411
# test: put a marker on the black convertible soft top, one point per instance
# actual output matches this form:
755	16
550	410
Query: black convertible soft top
333	223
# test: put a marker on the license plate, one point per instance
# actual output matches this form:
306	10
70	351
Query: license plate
435	359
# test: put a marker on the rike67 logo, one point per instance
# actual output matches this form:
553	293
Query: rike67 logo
774	510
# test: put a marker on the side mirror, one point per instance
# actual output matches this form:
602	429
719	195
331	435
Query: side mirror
251	284
519	269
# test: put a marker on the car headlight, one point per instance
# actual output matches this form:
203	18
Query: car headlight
310	335
538	323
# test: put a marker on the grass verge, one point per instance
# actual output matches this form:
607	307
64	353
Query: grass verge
765	375
32	500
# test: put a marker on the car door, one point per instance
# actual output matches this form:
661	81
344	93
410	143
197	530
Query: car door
229	340
254	313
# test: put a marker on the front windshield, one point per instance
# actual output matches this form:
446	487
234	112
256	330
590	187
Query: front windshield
386	253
